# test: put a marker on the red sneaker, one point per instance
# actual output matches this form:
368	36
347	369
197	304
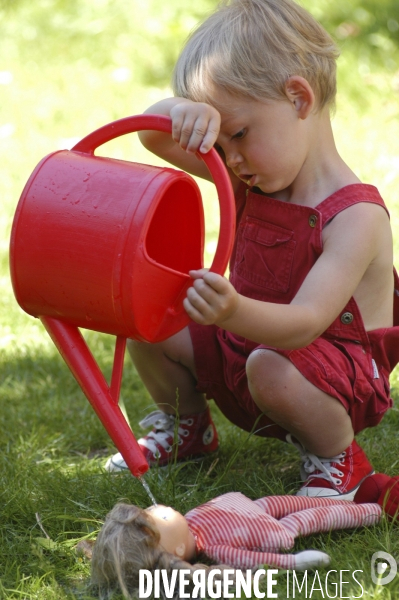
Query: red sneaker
191	436
337	477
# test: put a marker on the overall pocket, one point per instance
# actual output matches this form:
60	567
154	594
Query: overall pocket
265	255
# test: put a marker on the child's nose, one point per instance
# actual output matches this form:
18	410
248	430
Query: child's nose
233	159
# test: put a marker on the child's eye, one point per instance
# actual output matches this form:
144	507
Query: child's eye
239	135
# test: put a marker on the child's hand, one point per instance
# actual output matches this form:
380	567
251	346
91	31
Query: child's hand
195	126
212	299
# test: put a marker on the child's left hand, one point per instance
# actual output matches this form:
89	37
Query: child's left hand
212	299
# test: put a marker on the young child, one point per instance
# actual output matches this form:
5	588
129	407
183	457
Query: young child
300	340
231	529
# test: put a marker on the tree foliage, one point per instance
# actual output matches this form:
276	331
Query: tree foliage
146	36
142	36
367	28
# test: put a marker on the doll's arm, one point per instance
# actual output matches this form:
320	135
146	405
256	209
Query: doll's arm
247	559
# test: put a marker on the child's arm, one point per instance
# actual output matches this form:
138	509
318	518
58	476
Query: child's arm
348	253
195	128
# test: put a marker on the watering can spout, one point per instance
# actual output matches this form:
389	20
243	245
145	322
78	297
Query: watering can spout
103	398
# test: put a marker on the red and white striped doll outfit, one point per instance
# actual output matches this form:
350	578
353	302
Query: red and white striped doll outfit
244	533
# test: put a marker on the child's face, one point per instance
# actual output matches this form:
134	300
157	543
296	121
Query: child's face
176	537
265	143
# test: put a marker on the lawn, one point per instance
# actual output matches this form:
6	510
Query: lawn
66	69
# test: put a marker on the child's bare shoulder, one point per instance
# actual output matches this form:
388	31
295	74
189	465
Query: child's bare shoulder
360	238
367	220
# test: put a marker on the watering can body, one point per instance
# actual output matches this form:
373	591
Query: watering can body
107	245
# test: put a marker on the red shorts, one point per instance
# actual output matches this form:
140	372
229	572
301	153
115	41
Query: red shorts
341	369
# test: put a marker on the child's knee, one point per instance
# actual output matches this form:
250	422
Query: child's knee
142	351
132	344
264	365
135	348
178	348
169	347
269	375
262	370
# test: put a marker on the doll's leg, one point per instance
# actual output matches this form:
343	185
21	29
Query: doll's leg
333	463
167	370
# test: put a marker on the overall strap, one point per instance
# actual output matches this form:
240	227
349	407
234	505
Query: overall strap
349	324
348	196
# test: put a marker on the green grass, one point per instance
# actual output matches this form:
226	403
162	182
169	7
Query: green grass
68	68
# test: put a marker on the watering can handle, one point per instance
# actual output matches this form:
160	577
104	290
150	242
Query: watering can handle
212	160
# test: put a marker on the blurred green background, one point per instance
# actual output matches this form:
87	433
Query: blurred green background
68	67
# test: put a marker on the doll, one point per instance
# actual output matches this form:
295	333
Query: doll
231	530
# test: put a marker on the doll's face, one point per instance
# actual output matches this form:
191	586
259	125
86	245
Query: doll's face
176	537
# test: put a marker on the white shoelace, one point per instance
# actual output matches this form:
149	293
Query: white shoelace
312	463
164	428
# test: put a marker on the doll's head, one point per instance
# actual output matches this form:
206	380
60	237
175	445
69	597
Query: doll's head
174	534
250	48
132	539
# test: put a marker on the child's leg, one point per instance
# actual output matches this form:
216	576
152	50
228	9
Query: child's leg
333	464
167	370
317	420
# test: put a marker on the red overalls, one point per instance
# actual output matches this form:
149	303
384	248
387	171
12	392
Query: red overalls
276	245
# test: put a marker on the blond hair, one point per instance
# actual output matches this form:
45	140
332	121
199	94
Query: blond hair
128	542
251	47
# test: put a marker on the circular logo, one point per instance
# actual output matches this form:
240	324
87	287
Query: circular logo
380	563
207	438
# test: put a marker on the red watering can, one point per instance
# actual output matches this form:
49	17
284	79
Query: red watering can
106	245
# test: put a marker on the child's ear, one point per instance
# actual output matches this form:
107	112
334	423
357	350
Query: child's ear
300	93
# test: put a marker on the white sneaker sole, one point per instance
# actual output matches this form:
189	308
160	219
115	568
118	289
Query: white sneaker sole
116	464
314	492
320	492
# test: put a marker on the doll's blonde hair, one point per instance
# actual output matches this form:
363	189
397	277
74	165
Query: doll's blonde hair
250	48
128	542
